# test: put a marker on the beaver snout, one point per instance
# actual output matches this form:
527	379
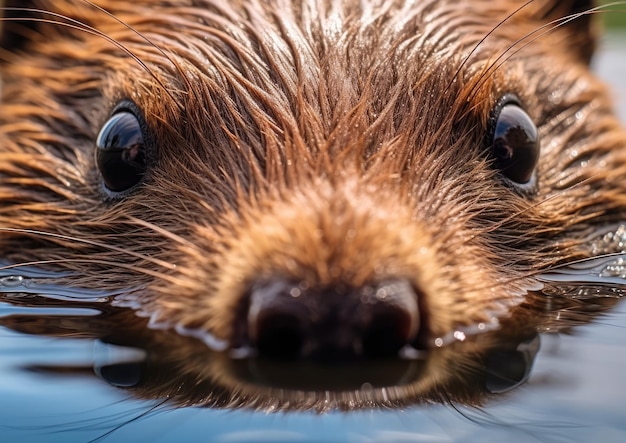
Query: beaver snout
290	320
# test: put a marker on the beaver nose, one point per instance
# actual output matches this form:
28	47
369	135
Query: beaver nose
289	320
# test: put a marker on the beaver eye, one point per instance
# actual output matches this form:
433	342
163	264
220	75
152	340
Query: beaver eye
515	145
121	152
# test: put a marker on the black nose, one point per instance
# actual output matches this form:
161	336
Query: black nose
289	320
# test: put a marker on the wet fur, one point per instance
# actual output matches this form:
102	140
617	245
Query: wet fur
335	143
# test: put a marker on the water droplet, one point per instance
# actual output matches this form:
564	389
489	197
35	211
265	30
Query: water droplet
610	242
615	269
11	281
295	292
459	335
303	285
382	294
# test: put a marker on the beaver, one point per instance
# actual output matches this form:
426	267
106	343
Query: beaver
306	178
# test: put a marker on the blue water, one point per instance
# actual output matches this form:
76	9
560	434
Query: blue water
575	393
56	389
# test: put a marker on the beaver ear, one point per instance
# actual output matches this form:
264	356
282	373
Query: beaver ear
16	23
577	24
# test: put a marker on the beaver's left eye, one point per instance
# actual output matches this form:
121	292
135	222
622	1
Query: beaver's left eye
515	144
121	152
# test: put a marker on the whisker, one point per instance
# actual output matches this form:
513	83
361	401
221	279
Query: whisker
164	232
535	205
150	42
541	31
135	254
112	264
80	26
502	23
138	417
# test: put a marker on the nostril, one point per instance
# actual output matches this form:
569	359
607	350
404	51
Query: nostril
276	320
386	333
390	318
279	334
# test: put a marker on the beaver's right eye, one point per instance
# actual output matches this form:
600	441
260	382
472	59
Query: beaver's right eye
121	152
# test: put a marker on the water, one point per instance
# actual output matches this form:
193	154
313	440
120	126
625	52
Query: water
82	389
99	375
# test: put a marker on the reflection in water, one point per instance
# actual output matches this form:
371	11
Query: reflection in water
162	365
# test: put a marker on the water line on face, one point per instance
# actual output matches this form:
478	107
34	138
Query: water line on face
604	270
581	279
606	267
20	281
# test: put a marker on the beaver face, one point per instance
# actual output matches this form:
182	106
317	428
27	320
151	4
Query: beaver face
339	178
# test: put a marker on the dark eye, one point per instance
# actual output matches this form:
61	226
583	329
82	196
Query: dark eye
121	152
515	144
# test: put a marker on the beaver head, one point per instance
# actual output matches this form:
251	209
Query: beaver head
307	177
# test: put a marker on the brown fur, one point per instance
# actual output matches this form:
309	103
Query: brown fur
334	143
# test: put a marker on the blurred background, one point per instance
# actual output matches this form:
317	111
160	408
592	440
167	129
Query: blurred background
615	17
